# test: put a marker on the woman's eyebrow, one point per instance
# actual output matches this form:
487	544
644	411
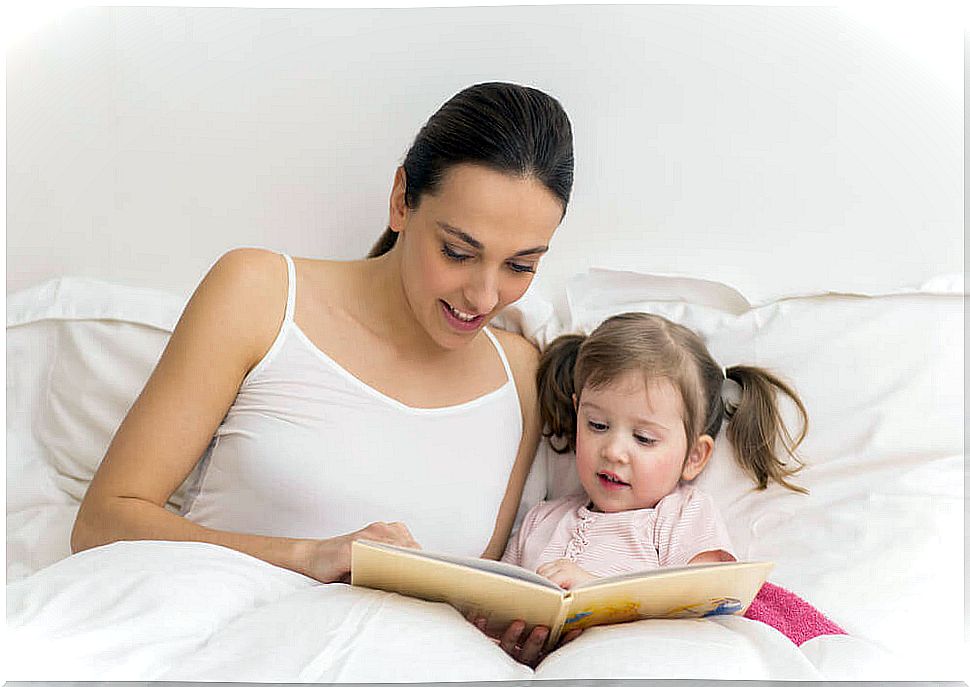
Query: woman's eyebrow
475	243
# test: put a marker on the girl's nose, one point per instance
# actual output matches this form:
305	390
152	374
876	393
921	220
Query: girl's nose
614	450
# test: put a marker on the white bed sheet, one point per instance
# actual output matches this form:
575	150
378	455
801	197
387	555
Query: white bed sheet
191	611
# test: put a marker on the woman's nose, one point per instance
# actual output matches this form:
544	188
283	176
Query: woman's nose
482	292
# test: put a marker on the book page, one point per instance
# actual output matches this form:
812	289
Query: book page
657	572
695	591
484	564
497	597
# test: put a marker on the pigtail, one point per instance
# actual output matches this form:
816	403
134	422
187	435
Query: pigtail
756	428
556	386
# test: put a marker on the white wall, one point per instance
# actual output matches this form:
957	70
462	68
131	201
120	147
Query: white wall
778	149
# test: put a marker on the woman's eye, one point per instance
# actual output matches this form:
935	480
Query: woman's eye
646	441
452	254
522	268
597	426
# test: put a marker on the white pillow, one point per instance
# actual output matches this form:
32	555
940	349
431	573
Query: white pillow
877	545
103	340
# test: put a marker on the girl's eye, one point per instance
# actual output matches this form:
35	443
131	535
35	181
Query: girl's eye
522	268
597	426
452	254
646	441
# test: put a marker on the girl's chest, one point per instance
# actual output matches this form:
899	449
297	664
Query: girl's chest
600	544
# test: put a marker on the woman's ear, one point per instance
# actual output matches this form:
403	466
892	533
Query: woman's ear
575	404
398	209
697	457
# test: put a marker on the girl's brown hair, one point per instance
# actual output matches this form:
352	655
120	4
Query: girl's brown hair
661	349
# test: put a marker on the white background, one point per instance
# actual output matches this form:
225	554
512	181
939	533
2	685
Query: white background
779	149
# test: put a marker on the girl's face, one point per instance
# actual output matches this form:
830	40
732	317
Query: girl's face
471	248
631	447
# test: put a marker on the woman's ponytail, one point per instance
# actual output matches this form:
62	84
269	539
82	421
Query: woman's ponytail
384	243
756	427
556	386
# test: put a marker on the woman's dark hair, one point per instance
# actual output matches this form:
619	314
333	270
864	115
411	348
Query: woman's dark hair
661	349
502	126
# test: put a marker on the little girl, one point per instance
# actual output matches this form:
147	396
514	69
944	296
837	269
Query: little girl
640	401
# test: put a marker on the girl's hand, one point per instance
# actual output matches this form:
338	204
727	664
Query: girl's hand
528	651
328	560
565	573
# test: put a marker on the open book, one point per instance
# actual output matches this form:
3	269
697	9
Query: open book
501	592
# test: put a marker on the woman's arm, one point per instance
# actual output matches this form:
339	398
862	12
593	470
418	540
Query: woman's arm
228	325
523	358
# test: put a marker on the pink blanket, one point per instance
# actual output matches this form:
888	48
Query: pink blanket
789	614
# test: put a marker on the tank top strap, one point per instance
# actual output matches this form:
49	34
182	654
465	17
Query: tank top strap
290	288
501	353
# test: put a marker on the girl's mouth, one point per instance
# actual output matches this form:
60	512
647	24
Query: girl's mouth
610	481
459	320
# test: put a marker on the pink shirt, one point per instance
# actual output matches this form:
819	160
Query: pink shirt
683	524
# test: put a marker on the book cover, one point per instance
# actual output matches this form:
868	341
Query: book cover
502	593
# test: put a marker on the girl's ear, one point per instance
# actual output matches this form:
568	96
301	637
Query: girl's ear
697	457
575	404
398	209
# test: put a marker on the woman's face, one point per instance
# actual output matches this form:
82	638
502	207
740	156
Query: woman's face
471	248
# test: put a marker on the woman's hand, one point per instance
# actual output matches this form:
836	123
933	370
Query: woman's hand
328	560
565	573
529	650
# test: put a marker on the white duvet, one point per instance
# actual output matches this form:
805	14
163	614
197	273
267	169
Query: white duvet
190	611
877	546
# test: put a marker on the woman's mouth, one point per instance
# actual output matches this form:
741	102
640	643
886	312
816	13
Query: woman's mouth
610	481
462	321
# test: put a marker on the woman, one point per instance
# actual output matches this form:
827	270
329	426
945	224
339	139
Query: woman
336	394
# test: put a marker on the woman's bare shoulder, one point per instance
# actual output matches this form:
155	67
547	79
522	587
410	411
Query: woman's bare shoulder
518	349
243	296
329	280
259	277
523	357
248	278
252	263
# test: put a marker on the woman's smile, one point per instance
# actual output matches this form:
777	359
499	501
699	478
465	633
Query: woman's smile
459	320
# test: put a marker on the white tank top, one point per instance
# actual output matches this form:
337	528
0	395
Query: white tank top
308	450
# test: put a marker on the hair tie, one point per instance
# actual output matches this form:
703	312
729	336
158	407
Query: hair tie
730	395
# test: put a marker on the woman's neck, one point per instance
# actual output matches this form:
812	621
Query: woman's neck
384	307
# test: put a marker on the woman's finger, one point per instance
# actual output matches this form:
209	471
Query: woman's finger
532	647
510	638
399	534
570	636
409	539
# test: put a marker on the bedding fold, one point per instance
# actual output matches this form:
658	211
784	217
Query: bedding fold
191	611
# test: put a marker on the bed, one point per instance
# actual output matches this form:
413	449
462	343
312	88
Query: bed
785	180
877	545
